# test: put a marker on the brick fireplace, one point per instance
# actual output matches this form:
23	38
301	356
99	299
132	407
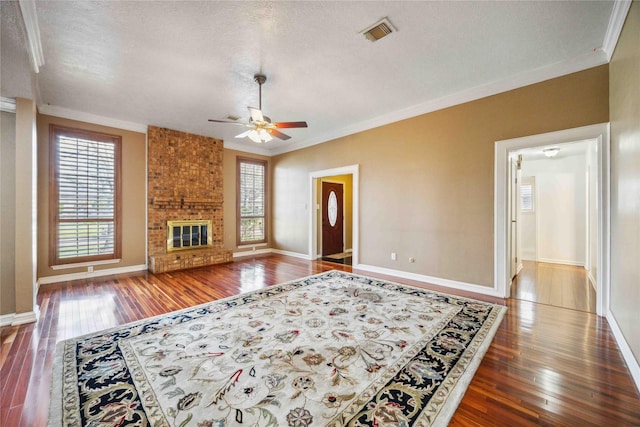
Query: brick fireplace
185	184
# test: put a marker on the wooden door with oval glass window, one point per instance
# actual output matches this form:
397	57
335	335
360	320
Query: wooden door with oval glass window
332	218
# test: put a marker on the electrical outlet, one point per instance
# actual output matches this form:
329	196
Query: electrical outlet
393	256
90	269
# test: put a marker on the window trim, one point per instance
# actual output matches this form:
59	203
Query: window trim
54	211
265	164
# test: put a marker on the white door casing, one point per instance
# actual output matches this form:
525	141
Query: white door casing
600	132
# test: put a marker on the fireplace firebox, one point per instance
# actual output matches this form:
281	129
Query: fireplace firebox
182	235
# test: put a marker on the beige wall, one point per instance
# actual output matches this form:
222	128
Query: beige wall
133	195
7	212
230	178
426	183
25	236
625	179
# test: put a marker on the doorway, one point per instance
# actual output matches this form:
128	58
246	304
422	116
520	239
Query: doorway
557	214
332	206
503	151
348	176
335	219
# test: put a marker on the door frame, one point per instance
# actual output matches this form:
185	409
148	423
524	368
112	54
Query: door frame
513	236
313	208
599	132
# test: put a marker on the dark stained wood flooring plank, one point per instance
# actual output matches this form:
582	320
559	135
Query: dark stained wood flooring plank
546	365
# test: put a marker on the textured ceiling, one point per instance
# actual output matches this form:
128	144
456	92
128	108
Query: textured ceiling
177	64
15	78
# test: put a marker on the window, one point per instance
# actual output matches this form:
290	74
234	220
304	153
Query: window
84	196
526	195
251	198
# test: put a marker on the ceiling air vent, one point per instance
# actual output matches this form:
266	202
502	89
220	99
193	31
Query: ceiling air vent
379	30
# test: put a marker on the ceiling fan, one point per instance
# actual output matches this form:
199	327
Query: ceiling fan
261	129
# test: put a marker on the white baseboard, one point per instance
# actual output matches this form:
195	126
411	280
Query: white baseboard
561	261
271	251
86	275
453	284
251	253
593	281
13	319
627	354
293	254
7	319
28	317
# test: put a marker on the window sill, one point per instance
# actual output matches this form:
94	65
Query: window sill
85	264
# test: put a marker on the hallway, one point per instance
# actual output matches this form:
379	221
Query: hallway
559	285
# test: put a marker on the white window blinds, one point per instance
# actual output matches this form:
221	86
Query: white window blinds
85	196
526	198
251	201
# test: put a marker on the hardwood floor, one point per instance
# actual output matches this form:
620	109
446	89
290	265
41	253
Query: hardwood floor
559	285
546	365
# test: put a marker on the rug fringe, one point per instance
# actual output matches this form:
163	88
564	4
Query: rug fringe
55	391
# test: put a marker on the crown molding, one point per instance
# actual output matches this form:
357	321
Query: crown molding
66	113
616	22
34	43
248	148
7	105
580	63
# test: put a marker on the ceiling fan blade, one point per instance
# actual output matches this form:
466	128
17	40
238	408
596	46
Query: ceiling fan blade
291	124
256	115
227	121
279	134
244	134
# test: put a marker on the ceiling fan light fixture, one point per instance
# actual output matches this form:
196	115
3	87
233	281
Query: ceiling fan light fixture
264	135
254	136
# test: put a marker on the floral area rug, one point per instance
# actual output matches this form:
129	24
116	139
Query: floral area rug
332	349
